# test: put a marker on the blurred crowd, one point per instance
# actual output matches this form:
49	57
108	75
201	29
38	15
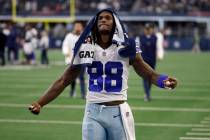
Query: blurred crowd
189	7
26	38
171	6
20	41
61	7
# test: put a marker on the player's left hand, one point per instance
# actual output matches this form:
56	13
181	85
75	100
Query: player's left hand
170	83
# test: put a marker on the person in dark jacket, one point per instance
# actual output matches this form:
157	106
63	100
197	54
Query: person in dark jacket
3	39
148	42
13	48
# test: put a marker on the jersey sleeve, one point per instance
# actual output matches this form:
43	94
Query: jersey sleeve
85	55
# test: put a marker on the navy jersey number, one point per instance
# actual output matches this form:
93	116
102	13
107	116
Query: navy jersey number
112	82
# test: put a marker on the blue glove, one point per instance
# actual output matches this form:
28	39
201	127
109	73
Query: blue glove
129	50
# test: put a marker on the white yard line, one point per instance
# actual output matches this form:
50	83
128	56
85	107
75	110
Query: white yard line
174	97
197	134
39	121
205	122
189	98
79	123
165	109
23	67
29	67
201	129
16	86
48	106
207	118
170	125
195	83
173	109
183	89
193	138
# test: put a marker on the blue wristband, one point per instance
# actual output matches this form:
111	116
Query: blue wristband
160	80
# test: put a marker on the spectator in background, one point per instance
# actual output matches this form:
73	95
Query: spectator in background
102	5
13	48
160	44
148	41
29	54
30	44
44	45
59	31
3	39
196	41
31	6
67	49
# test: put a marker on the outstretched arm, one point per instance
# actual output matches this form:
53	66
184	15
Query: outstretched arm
56	88
145	71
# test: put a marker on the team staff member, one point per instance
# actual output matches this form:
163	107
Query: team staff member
107	115
3	40
148	41
67	49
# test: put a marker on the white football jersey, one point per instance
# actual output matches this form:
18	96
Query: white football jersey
107	72
108	75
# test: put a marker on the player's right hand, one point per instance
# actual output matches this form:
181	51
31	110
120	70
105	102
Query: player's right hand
35	108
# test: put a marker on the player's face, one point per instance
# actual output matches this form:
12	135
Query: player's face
78	28
105	22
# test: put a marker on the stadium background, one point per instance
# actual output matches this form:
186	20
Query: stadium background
181	114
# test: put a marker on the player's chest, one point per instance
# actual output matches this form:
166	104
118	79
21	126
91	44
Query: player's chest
109	54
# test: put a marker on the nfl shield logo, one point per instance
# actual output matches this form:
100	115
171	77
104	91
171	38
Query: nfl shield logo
127	114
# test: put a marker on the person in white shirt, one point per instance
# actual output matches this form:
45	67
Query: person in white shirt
67	49
160	44
30	44
44	45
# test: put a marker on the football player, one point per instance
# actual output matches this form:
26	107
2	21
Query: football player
108	55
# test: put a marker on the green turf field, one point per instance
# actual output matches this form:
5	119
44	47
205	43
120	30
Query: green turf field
182	114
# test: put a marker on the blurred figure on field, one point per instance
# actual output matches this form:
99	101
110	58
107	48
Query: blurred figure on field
3	39
196	41
59	31
30	44
148	41
44	45
13	48
67	49
160	44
